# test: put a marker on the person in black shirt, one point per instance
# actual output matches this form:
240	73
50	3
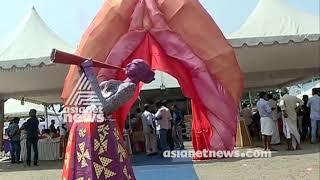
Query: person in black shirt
52	127
306	124
32	128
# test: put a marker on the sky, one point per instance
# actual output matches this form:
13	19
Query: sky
70	18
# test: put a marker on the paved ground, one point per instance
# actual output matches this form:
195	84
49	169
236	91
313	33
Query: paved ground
303	164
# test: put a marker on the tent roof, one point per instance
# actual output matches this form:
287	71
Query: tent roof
30	43
278	45
25	66
277	18
13	108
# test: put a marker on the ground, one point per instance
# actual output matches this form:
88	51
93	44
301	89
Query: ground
303	164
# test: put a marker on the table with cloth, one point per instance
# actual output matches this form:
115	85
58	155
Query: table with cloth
49	149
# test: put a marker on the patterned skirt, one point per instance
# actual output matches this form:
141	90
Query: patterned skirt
96	151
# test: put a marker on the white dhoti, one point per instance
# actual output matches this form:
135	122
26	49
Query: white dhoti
290	131
275	139
266	126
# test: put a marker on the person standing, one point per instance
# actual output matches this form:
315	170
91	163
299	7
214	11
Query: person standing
138	120
314	104
246	113
275	139
14	135
306	119
288	105
149	130
163	119
265	120
52	127
23	142
63	138
32	128
177	119
170	139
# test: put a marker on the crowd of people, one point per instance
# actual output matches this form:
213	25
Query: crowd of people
289	117
162	129
28	135
295	119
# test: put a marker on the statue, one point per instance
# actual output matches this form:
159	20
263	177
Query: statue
96	149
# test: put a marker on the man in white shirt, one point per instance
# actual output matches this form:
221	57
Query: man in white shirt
266	121
314	105
163	119
288	105
275	139
149	130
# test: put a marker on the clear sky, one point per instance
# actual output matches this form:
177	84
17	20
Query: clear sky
69	18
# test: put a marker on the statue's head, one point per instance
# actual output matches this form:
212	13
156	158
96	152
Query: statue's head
138	71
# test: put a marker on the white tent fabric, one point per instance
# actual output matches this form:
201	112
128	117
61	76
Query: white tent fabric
13	107
31	39
277	18
305	89
25	67
278	45
161	79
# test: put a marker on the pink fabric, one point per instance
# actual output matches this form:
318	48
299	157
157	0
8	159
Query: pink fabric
214	111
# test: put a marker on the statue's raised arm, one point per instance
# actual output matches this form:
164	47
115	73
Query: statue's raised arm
114	93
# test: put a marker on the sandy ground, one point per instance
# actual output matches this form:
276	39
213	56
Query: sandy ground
284	165
294	165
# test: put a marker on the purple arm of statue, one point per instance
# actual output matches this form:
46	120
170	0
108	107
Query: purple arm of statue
113	93
87	67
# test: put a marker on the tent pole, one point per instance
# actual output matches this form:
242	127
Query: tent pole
46	115
250	99
1	122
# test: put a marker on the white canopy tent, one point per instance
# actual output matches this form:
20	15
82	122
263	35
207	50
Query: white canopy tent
25	67
278	45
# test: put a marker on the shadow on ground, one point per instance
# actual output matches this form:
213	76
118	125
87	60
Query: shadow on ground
157	168
6	166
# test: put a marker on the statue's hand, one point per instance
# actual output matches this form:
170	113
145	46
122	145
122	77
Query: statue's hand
87	66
